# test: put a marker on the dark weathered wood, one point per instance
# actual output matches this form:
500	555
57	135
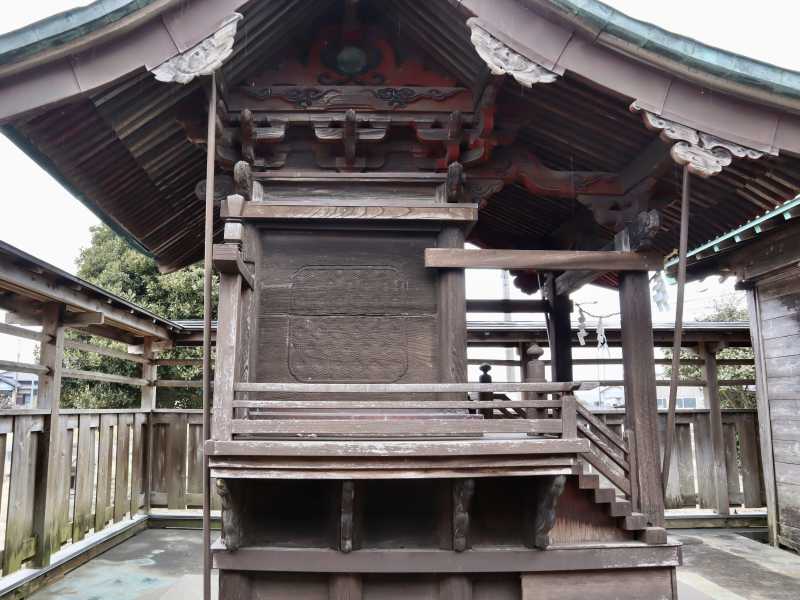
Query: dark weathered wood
705	462
121	472
764	418
413	388
383	405
598	556
640	390
547	491
347	509
232	532
463	491
176	462
452	316
455	587
228	259
140	480
540	260
399	448
423	211
384	426
508	306
748	442
617	584
227	336
84	478
345	587
22	484
52	482
711	392
104	475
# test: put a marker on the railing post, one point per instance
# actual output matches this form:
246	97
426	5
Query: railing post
150	373
52	482
534	373
708	353
486	396
569	418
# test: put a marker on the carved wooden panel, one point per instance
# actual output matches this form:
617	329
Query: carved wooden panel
345	306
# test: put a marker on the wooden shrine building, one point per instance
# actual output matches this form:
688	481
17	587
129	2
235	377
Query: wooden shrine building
346	151
764	255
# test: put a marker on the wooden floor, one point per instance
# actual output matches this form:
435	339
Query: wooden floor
163	564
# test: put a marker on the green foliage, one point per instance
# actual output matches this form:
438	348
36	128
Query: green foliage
738	396
110	263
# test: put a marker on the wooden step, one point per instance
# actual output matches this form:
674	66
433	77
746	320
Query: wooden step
653	535
634	522
620	508
588	481
604	495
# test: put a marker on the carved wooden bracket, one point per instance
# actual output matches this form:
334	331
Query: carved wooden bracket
704	154
346	517
231	521
203	58
547	492
502	60
463	491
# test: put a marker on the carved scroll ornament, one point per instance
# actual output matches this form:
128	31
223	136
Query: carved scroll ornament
704	154
203	58
502	60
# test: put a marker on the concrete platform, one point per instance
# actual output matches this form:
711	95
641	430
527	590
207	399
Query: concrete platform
164	564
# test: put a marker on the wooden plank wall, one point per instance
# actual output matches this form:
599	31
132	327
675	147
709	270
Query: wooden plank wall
777	341
101	463
690	484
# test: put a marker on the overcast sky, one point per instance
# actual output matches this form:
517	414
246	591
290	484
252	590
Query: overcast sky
40	217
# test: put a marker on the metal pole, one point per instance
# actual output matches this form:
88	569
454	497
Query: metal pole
207	250
669	436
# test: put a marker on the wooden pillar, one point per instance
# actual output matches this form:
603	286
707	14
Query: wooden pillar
764	417
52	483
452	315
641	408
559	332
150	373
708	352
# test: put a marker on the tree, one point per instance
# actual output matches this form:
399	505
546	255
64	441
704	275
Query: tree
110	263
731	396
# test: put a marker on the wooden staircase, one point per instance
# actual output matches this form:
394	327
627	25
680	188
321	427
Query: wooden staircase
619	507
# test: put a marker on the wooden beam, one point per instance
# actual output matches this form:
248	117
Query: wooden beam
600	261
228	259
22	367
84	319
508	306
21	332
359	209
414	388
103	377
43	287
559	331
637	236
84	347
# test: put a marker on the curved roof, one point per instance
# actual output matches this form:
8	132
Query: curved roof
684	55
76	95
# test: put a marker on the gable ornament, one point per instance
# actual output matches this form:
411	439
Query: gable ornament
704	154
502	60
203	58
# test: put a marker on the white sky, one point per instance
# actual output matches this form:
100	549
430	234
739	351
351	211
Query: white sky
42	218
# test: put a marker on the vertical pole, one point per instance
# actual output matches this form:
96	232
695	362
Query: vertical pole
559	332
711	391
641	408
149	372
50	476
207	257
669	437
452	315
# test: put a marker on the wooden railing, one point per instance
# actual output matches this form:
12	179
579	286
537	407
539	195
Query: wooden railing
691	482
307	419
